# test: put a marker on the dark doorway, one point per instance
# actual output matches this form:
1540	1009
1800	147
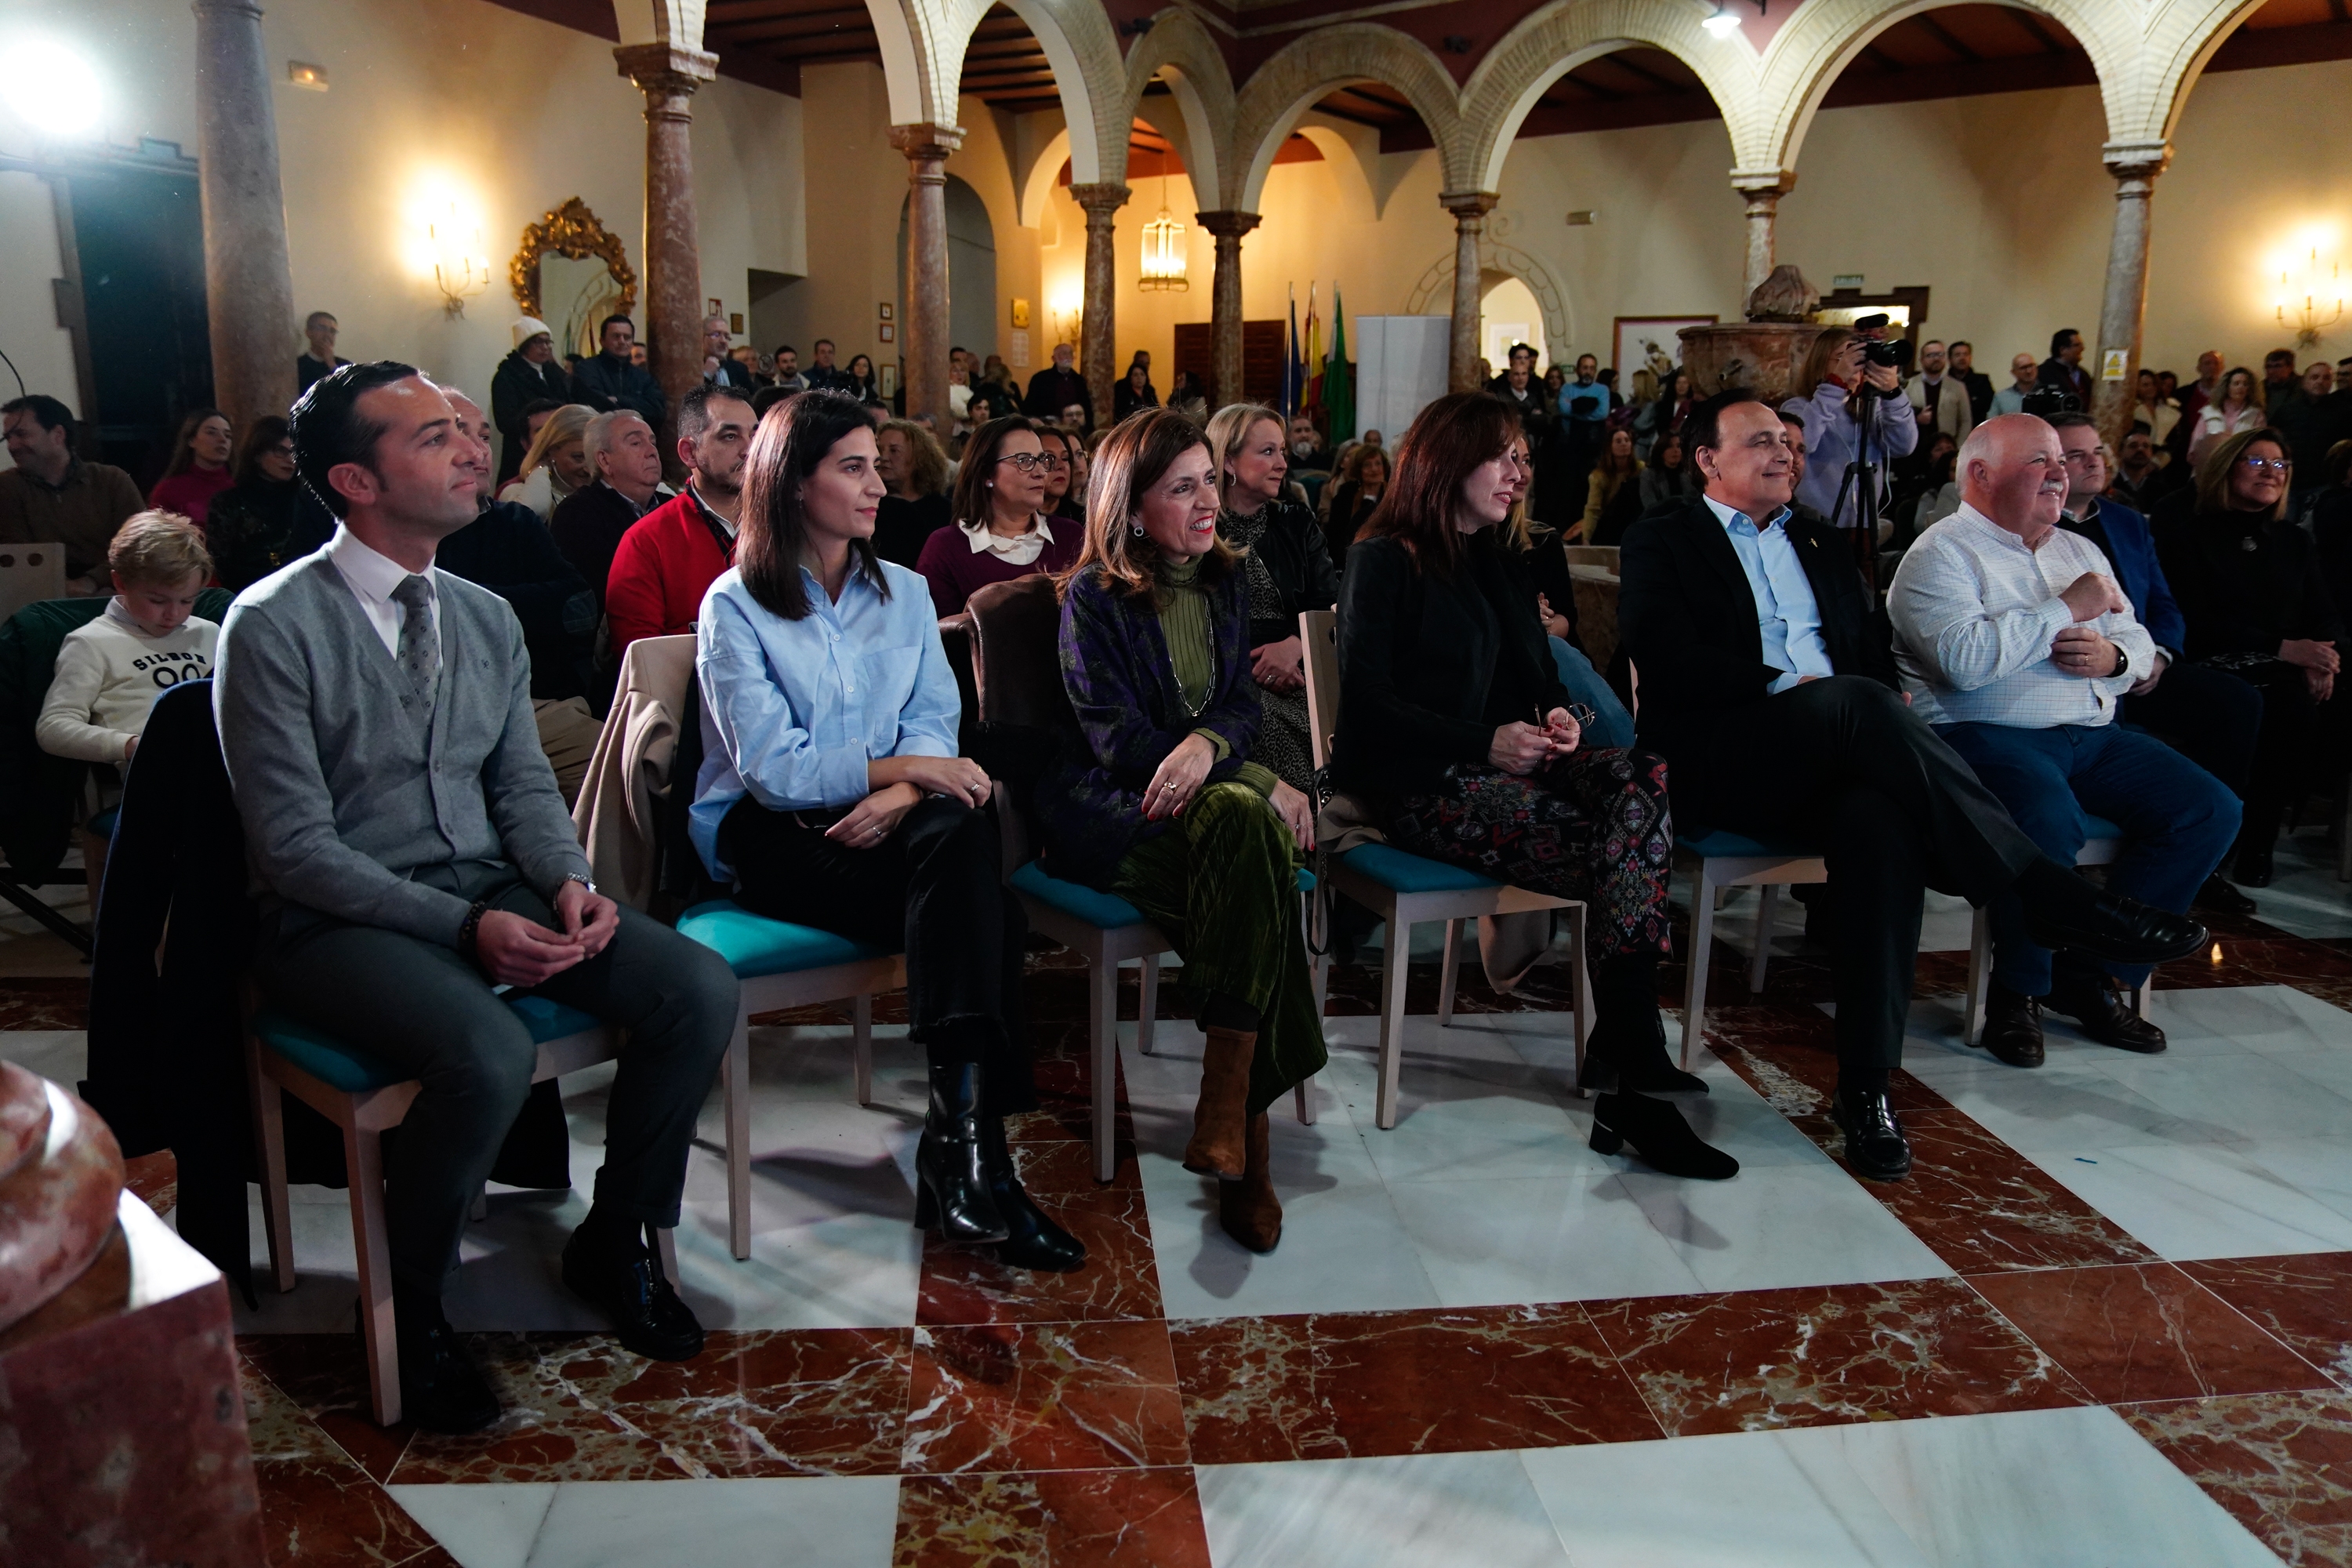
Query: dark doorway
136	228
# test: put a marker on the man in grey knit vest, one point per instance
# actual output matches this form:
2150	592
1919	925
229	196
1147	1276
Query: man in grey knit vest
410	850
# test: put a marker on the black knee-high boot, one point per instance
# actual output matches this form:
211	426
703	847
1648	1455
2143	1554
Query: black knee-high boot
952	1187
1627	1048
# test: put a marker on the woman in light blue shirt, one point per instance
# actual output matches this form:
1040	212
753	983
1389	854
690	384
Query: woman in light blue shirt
831	796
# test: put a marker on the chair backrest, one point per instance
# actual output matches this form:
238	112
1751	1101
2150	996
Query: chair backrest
1319	635
1016	654
29	573
1603	556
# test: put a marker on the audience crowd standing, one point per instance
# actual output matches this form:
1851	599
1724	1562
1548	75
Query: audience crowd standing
2150	633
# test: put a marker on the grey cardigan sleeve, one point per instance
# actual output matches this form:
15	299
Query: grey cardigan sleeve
519	785
262	698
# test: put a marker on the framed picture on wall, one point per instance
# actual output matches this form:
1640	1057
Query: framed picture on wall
1643	342
889	311
889	332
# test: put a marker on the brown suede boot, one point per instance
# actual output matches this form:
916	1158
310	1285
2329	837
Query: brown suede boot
1219	1133
1248	1209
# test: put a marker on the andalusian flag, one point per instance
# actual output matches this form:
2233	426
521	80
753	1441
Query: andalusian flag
1312	402
1339	386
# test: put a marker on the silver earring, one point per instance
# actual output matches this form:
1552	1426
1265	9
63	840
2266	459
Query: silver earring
1136	529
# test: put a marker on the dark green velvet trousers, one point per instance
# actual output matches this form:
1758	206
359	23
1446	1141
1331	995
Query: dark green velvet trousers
1223	882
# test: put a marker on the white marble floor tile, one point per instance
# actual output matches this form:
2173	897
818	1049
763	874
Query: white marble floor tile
2268	1020
1539	1239
809	1523
2066	1106
61	1056
1412	1511
2210	1200
2251	1097
2304	896
2071	1487
1781	1225
1642	1505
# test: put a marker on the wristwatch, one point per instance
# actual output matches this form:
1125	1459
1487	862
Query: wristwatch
2123	663
589	883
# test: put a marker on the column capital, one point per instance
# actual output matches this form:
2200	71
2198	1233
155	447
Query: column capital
2136	160
665	68
1101	201
1228	224
1763	182
1469	206
921	143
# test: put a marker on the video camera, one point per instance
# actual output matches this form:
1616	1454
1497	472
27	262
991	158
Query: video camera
1895	353
2044	401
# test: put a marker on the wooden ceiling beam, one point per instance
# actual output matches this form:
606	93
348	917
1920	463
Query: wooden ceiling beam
726	17
855	24
1926	22
1606	94
1882	60
1663	83
2053	42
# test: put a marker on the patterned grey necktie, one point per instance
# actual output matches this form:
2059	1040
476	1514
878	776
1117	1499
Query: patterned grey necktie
420	649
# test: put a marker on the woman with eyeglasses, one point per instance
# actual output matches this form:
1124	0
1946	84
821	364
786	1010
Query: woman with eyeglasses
2256	604
1159	805
266	518
831	796
1455	726
1001	531
1064	497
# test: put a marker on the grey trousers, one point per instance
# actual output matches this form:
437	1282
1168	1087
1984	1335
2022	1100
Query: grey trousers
430	1011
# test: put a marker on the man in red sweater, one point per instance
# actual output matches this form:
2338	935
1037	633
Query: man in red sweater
670	556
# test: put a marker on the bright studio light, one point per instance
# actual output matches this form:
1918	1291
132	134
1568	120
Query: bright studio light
52	89
1723	23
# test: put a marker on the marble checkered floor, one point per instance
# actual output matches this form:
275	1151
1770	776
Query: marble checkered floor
2107	1320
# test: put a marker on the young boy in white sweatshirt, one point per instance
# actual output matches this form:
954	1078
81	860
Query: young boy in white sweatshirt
147	641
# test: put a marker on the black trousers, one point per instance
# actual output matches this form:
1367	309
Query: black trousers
934	889
2300	745
430	1011
1844	763
2209	716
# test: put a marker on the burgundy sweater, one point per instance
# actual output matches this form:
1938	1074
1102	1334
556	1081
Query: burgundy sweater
953	569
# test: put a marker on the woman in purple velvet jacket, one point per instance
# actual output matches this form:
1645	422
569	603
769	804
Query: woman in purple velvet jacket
1159	804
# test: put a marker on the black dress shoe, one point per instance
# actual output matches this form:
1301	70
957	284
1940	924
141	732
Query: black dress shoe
952	1189
2100	1009
1030	1240
1875	1144
2217	897
1659	1136
2253	868
441	1390
2117	928
627	1285
2013	1026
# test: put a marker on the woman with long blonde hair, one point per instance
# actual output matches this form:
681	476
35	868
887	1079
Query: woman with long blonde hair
556	463
1158	804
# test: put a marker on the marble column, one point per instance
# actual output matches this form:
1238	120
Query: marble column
1761	191
668	76
1469	209
2135	165
1225	304
923	333
1097	350
249	285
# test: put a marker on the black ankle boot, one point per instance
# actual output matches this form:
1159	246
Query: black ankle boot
952	1185
1659	1136
1627	1050
1031	1241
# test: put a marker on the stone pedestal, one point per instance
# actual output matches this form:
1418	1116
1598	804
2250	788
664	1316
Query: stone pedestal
1761	190
1763	355
1097	350
2135	165
1225	304
668	77
249	285
1469	209
923	341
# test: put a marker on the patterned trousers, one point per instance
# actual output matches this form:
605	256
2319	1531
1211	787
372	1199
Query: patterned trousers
1593	826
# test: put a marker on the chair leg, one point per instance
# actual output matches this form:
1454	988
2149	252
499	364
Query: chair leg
1394	950
270	1131
1972	1006
1766	897
1447	973
1702	948
1147	1003
1302	1101
1102	1042
1580	993
363	1156
735	1073
665	1244
861	1023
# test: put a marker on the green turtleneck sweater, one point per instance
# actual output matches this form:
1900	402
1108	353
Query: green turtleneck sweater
1191	646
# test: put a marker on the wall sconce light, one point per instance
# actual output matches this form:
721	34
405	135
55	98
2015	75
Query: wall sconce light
457	273
2321	302
1067	316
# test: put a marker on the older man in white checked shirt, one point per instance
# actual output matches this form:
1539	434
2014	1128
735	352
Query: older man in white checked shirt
2015	644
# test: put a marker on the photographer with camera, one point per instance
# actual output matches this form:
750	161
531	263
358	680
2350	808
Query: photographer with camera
1850	396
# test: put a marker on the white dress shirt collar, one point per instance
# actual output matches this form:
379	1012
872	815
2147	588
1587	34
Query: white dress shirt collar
372	576
1020	550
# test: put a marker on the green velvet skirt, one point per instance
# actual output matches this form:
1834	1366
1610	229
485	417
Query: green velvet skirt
1223	882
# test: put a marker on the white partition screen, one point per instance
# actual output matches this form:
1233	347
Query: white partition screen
1401	364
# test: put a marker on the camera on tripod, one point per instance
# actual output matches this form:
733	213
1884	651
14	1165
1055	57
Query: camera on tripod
2044	401
1893	354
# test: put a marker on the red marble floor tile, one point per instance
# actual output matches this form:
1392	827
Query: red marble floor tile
1355	1384
2281	1464
155	1179
803	1401
1058	1519
2304	1301
1120	1279
1789	1055
2133	1333
43	1004
321	1378
322	1514
1757	1360
1046	1396
1982	1205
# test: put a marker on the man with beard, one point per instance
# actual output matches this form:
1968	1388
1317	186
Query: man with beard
671	555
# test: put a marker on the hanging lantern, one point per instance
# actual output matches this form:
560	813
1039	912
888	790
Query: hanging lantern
1164	260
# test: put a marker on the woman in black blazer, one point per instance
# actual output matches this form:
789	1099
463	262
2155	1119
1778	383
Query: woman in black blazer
1289	570
1455	726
